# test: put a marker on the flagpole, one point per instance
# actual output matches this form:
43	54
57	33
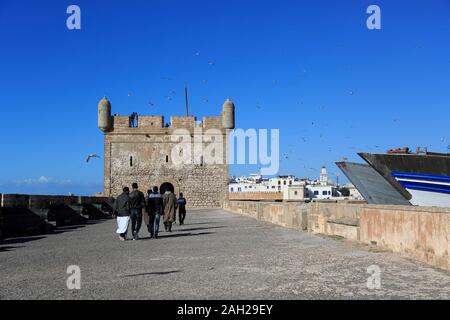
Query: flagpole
187	99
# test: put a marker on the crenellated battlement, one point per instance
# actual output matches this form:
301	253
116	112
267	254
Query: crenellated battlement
155	124
136	123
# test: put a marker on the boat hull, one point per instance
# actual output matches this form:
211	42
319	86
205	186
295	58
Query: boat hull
422	179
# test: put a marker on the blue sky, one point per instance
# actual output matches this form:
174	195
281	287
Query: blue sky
330	85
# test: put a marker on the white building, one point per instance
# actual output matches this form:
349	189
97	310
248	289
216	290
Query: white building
321	192
354	193
291	187
243	187
294	192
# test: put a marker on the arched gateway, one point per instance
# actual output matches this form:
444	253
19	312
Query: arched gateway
166	186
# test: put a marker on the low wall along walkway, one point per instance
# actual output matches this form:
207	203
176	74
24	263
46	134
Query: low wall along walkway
23	215
421	233
25	200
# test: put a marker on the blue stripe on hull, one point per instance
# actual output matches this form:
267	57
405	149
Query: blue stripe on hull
425	186
419	176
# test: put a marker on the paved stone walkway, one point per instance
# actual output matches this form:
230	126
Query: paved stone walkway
216	255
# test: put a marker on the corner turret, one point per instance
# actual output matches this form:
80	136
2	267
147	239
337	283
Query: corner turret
228	115
104	115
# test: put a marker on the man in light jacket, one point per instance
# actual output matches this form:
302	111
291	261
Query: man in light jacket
170	208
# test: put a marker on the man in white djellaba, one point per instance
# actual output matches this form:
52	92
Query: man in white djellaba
122	210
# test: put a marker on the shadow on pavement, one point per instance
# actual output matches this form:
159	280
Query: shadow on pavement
12	239
176	235
193	224
152	273
97	221
9	248
21	240
62	229
199	228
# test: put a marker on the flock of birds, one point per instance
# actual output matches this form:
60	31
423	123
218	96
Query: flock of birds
259	106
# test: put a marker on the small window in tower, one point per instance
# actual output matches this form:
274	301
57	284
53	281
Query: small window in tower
201	161
167	159
131	161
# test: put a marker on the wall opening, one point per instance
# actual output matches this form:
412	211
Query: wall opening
131	161
134	120
166	186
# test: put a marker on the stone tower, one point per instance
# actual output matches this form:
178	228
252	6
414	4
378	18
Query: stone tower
187	156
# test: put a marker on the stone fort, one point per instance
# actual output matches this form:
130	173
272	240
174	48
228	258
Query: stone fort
140	148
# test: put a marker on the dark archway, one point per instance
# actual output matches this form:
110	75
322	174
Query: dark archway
166	186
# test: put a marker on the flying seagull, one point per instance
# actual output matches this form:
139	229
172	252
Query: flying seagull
90	156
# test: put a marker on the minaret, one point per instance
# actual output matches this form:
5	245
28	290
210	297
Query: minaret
324	176
228	115
104	115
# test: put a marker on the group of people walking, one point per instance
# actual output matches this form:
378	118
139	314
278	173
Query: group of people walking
131	206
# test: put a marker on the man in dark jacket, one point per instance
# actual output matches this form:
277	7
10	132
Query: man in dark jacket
122	210
181	202
137	203
155	209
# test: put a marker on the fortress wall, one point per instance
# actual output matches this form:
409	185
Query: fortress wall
156	122
212	122
421	233
202	186
121	122
148	160
180	122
